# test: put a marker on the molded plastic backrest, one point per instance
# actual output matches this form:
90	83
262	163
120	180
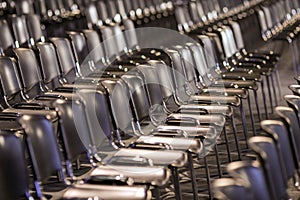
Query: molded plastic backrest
94	45
98	114
237	34
43	145
20	29
279	133
254	175
34	27
120	103
102	10
91	14
65	58
14	182
49	64
150	77
229	188
138	95
74	128
294	102
10	80
290	119
6	38
29	69
265	148
130	34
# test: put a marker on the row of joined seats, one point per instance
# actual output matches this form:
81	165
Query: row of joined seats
150	122
277	150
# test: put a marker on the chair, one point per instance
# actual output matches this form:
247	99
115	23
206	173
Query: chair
278	132
269	158
14	183
291	122
229	188
45	157
253	174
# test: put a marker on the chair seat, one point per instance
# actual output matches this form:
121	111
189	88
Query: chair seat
240	92
107	192
158	176
236	84
211	109
218	120
49	114
217	100
177	143
164	158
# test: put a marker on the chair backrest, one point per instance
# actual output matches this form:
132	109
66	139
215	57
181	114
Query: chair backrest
10	81
43	147
102	11
24	7
35	28
82	53
178	75
266	150
294	102
6	37
253	174
29	71
130	34
91	15
277	130
49	65
290	119
229	188
120	104
20	30
95	46
74	128
65	58
14	182
138	96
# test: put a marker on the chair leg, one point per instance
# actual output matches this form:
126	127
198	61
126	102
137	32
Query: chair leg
156	193
227	144
218	161
251	115
257	105
207	177
235	136
270	93
193	176
274	90
244	124
177	188
278	84
264	100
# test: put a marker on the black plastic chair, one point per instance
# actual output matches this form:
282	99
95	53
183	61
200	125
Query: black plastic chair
253	174
46	160
268	155
229	188
277	130
15	177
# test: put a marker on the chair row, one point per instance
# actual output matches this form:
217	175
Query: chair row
277	159
117	103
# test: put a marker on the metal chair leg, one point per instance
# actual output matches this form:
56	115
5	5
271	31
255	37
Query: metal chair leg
251	115
177	188
193	176
257	105
235	137
264	100
244	124
274	90
270	94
